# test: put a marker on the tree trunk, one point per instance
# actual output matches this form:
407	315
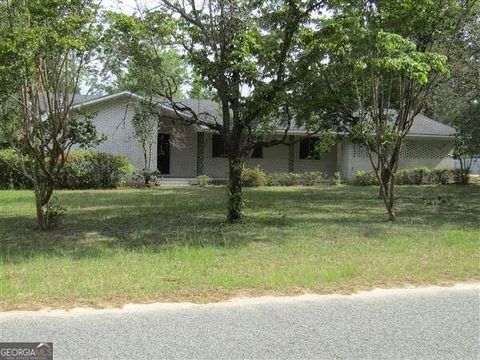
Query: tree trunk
384	179
387	183
145	159
149	160
464	171
391	199
42	217
235	196
42	199
146	170
391	212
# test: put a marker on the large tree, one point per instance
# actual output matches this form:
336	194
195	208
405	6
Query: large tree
243	51
456	98
44	47
372	66
139	52
199	89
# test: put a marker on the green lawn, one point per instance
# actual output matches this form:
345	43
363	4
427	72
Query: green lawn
171	244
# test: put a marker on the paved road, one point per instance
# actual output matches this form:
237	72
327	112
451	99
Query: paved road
434	323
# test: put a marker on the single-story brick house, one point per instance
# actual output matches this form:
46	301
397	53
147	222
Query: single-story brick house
194	150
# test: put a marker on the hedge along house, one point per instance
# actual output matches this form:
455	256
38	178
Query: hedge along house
189	151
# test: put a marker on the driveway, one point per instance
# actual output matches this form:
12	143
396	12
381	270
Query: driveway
429	323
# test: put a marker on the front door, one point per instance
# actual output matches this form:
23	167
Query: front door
163	153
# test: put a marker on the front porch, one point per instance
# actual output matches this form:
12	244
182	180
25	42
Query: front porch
206	157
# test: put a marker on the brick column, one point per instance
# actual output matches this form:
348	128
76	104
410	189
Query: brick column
200	152
291	154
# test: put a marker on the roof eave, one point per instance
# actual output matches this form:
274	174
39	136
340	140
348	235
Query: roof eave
305	133
431	136
106	98
120	95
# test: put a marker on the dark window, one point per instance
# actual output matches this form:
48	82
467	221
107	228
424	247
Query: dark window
307	149
218	146
257	152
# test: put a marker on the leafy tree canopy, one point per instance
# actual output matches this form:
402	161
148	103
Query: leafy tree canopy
456	98
372	65
44	47
140	52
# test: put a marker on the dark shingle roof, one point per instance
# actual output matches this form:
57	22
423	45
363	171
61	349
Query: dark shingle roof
202	105
422	126
79	98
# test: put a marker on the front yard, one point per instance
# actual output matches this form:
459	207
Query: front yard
171	244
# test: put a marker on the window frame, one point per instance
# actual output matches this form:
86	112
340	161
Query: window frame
311	148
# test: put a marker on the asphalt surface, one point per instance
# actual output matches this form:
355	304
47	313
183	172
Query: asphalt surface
431	323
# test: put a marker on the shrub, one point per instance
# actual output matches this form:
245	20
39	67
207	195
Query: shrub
441	176
311	178
364	178
424	176
253	177
11	175
82	170
92	170
55	213
461	177
283	179
416	176
336	179
294	179
146	177
204	180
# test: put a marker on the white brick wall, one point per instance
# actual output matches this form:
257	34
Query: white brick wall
326	164
430	153
113	120
275	159
213	167
343	157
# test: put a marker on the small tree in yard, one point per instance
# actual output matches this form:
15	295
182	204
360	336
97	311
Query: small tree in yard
44	47
467	139
243	51
372	66
145	129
